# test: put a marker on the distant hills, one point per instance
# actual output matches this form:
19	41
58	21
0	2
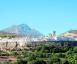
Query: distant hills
25	30
73	31
22	30
70	33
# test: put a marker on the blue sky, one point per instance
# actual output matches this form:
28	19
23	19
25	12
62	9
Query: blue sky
43	15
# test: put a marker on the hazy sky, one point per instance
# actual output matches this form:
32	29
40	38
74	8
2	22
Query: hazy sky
43	15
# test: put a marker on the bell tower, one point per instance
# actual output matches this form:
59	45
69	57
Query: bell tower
54	33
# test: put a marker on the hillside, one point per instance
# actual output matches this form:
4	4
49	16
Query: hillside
23	30
5	34
70	33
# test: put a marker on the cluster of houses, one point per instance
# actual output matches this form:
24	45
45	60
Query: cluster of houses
11	43
21	41
64	37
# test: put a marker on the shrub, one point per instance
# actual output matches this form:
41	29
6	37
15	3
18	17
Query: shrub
39	62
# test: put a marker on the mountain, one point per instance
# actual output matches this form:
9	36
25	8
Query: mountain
70	33
73	31
23	30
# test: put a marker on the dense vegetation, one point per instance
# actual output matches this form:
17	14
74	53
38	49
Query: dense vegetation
48	53
45	53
